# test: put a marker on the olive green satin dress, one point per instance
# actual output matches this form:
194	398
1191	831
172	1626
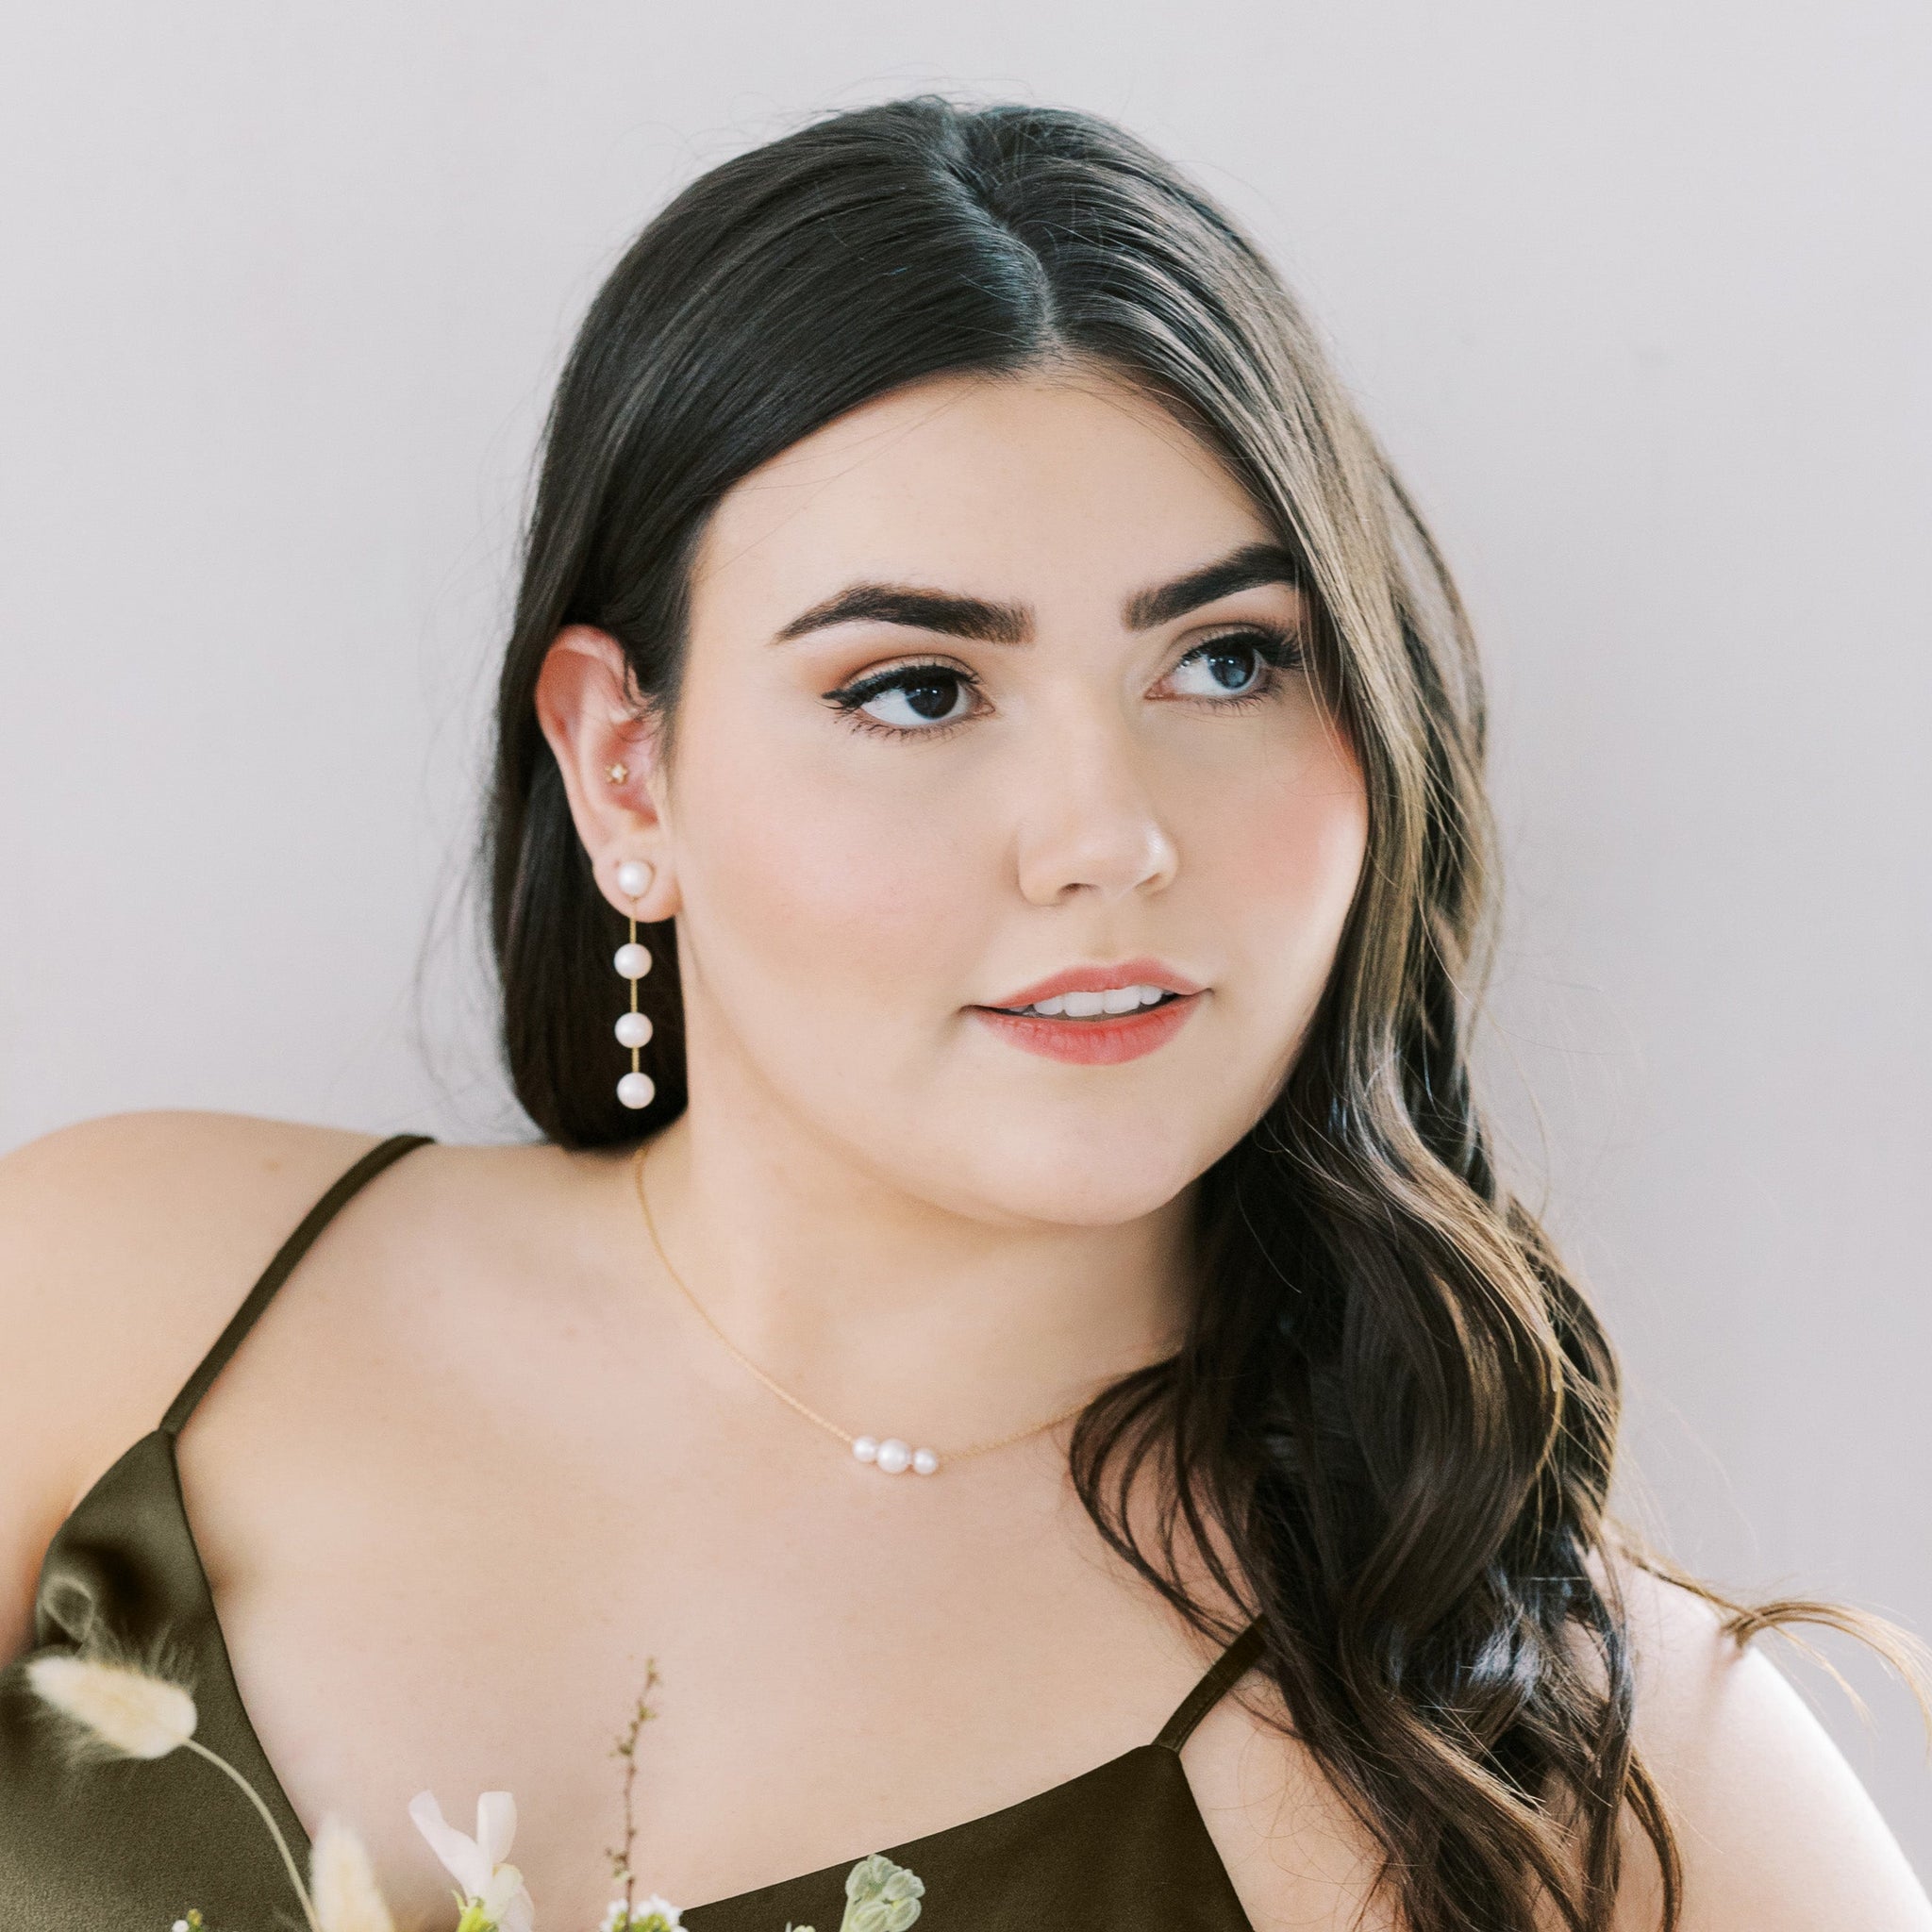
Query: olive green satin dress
129	1847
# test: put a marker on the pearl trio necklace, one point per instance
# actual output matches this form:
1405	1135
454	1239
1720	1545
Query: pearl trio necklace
892	1456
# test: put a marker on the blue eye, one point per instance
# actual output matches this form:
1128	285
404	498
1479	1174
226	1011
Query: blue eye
1230	667
1244	664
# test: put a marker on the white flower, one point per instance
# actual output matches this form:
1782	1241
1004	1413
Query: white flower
653	1914
491	1887
881	1896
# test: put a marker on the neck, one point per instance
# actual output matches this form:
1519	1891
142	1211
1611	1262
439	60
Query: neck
886	1313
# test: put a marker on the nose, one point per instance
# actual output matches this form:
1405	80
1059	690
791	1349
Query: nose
1089	820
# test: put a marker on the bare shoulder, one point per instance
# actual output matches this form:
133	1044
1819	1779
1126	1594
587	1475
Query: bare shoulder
1293	1850
125	1243
1774	1831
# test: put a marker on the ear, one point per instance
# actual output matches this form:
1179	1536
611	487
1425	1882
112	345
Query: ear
597	723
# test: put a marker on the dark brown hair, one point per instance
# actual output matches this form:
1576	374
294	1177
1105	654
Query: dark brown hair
1394	1402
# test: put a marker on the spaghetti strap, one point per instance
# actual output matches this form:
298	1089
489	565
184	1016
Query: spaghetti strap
1223	1675
279	1270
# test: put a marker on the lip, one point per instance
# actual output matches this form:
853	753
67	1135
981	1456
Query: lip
1143	971
1098	1042
1103	1040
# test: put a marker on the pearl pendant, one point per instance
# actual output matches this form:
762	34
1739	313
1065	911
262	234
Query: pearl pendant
893	1456
636	1090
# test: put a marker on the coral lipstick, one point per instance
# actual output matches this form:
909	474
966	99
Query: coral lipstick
1101	1042
1085	1038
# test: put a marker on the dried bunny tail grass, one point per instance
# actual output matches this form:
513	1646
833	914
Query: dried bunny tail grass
267	1818
115	1710
120	1702
343	1881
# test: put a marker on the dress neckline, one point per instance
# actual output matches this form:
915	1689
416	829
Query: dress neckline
1163	1750
1228	1668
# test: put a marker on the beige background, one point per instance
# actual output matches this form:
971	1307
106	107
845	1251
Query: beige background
1638	295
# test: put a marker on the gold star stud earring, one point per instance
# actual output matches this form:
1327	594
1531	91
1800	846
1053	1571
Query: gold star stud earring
617	773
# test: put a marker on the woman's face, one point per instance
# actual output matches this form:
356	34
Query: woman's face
993	681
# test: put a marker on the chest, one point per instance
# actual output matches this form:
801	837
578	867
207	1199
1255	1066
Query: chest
844	1661
446	1543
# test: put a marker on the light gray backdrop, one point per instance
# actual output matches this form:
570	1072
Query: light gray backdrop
1638	295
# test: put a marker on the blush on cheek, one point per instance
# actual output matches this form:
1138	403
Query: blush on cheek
821	895
1302	860
1334	843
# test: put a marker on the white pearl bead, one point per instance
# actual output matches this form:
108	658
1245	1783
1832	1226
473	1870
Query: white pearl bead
866	1448
633	1029
635	1090
893	1456
634	878
925	1463
632	961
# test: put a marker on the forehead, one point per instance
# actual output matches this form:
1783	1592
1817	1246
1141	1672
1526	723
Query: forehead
1060	490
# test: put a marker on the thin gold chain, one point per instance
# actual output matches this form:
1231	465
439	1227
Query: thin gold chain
785	1395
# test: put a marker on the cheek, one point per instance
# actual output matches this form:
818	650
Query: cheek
835	894
1287	869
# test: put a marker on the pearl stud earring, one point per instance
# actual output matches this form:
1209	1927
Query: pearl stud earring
633	961
617	773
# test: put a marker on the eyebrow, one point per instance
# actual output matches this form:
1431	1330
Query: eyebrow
1241	570
956	616
937	610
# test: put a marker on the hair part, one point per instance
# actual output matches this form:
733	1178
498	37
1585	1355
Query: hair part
1393	1405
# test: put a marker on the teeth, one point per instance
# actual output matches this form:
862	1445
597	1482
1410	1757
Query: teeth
1091	1005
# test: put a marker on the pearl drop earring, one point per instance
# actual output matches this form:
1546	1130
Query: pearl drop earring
633	961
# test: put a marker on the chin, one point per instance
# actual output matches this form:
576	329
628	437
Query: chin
1086	1177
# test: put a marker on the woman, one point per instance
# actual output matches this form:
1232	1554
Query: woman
1023	1327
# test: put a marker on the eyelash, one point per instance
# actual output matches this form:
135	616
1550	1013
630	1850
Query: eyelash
1277	649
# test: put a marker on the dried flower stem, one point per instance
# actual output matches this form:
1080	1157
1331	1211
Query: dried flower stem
626	1748
268	1818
